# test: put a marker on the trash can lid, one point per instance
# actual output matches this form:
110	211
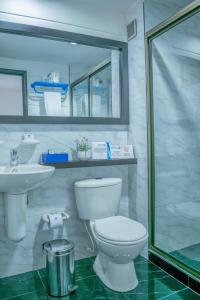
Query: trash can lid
58	247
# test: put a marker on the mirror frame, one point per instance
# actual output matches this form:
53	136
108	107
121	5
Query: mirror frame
65	36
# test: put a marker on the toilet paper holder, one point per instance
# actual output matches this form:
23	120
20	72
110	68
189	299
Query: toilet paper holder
64	215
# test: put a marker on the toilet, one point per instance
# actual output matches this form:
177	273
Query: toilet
119	240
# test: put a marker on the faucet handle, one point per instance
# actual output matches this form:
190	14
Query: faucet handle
14	157
14	151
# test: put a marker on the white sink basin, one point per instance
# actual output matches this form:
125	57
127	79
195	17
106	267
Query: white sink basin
22	178
15	182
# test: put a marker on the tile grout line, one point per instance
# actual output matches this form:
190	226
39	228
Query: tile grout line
13	297
148	280
41	280
165	297
86	277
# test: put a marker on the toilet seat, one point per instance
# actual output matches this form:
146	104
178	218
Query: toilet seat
119	230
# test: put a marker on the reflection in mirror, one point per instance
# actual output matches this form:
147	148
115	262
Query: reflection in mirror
101	93
80	99
64	79
12	92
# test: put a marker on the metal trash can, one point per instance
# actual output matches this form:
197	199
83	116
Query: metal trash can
59	267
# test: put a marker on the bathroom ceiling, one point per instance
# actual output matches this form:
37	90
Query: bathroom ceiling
44	50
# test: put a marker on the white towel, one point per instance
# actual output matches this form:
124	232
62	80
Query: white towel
52	101
98	110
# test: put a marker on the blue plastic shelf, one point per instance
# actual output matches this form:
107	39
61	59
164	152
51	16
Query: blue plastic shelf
43	86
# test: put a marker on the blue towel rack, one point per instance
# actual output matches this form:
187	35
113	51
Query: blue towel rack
43	86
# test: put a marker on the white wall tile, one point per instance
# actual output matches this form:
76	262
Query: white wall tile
138	196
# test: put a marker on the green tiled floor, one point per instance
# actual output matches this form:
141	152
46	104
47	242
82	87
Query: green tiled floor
154	284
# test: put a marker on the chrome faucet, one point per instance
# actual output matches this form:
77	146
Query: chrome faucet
14	157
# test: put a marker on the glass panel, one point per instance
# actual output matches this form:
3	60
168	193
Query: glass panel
176	96
80	99
101	93
11	95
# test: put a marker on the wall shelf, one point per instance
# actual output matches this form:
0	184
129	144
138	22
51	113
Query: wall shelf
93	163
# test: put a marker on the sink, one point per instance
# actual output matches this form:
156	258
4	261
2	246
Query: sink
22	178
15	182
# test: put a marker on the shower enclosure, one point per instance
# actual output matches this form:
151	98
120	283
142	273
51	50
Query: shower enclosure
173	59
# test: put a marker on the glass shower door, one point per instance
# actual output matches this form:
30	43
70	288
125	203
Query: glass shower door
175	140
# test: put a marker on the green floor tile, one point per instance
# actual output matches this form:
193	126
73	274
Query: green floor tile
148	271
186	294
37	295
20	284
42	272
84	268
155	288
93	288
154	284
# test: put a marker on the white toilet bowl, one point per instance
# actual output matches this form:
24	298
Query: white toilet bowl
119	241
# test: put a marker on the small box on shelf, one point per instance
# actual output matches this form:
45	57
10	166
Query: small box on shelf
47	158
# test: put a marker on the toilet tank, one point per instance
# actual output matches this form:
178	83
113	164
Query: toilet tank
98	198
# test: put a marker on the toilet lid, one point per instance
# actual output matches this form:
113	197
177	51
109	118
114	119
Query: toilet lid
119	229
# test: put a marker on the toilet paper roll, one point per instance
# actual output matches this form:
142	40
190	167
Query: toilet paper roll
55	220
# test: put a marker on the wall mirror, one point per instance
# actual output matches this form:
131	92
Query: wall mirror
71	78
